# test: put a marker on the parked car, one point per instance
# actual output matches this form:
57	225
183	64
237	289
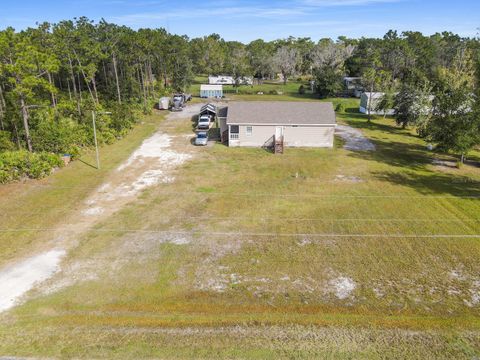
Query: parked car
204	121
202	138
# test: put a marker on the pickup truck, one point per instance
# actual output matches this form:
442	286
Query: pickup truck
204	122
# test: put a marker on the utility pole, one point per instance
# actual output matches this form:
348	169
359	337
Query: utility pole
95	138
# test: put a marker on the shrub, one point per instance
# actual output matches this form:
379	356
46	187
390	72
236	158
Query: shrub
59	136
6	143
122	118
15	165
340	108
245	91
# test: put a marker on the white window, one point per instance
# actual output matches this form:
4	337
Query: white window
234	132
249	130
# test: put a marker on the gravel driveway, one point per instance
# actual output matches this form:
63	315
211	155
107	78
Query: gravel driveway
354	139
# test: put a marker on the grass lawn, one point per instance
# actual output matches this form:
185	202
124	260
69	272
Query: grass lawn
317	253
272	91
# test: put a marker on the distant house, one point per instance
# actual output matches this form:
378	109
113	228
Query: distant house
374	98
211	91
353	85
221	80
245	80
229	80
278	124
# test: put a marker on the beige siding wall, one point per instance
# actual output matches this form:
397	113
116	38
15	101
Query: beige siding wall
309	136
301	136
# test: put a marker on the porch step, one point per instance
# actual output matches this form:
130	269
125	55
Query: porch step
279	146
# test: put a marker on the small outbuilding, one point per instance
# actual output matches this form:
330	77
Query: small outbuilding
372	99
279	123
211	91
164	103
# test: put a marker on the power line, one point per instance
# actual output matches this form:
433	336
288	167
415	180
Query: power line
406	220
302	195
244	234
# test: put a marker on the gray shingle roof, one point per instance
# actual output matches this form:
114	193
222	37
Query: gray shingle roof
280	112
222	111
208	108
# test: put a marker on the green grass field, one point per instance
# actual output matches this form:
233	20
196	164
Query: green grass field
317	253
272	91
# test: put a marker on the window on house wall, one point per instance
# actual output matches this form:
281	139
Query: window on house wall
249	130
234	130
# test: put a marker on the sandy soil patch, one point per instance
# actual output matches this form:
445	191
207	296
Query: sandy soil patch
348	179
354	139
16	280
342	287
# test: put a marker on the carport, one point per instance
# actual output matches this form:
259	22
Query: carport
208	109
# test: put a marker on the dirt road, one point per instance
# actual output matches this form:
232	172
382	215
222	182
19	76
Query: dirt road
153	163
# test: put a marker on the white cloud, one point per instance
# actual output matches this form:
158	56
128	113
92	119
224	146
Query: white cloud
209	13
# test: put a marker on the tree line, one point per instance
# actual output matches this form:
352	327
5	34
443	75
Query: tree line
52	77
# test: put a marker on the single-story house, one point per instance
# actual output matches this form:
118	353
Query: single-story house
222	114
374	98
229	80
221	80
265	123
211	91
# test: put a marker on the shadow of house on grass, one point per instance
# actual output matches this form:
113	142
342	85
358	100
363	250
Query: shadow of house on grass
398	154
352	120
433	183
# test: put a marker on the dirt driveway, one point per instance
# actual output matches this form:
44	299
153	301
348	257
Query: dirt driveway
153	163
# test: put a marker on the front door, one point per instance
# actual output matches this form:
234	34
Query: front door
278	132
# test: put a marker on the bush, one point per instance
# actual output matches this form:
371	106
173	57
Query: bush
61	136
245	91
15	165
340	108
122	118
6	143
301	90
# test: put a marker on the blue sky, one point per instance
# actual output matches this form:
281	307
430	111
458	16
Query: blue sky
252	19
